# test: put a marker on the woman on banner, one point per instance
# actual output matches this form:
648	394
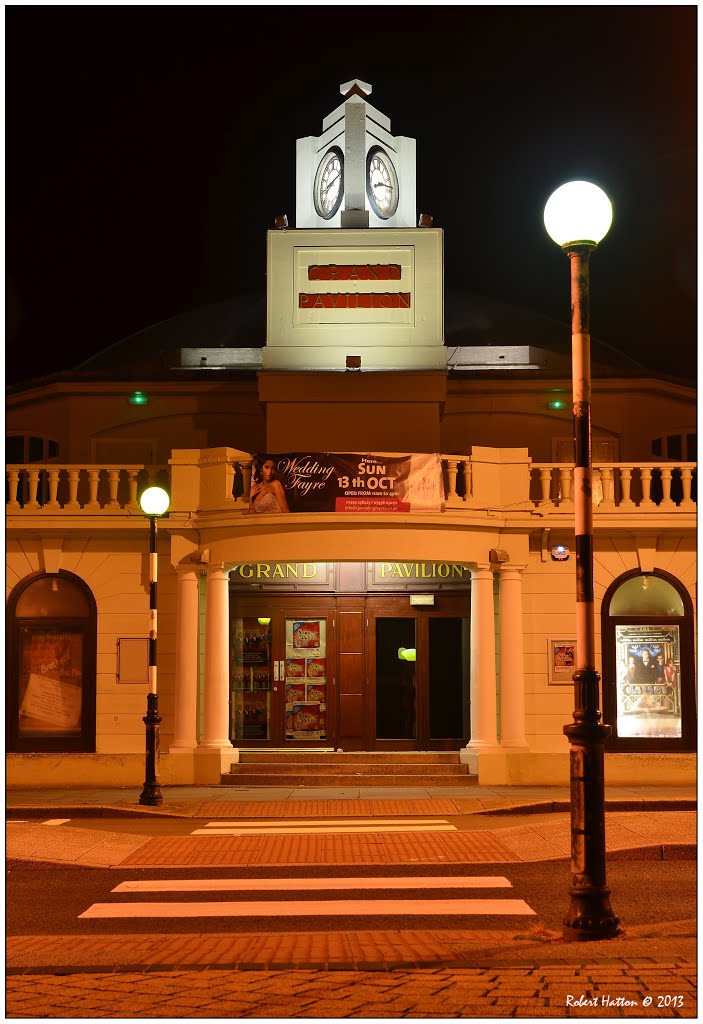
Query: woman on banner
266	494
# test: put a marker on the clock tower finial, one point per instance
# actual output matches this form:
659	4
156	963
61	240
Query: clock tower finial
355	88
355	174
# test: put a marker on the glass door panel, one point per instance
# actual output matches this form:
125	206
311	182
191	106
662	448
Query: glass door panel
395	679
448	678
306	678
251	673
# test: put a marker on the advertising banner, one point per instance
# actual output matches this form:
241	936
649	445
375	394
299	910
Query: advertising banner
334	482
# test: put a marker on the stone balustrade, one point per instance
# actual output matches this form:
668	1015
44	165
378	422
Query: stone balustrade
78	488
618	486
469	483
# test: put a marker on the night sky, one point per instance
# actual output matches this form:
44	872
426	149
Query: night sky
148	150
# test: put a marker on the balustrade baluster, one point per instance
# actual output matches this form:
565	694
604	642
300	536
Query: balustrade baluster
32	502
608	482
625	485
666	501
13	479
53	488
545	484
132	475
646	481
246	480
73	480
452	467
686	478
113	477
466	469
93	504
566	501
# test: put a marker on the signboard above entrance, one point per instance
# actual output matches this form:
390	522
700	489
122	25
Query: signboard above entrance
350	577
334	482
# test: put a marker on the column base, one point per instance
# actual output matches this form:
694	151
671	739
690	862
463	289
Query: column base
212	762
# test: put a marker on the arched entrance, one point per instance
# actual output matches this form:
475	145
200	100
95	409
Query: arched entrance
51	656
648	666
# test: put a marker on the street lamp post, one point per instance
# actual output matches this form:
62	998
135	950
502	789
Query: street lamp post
577	216
154	502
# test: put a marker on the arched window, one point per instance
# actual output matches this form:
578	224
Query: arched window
51	656
648	682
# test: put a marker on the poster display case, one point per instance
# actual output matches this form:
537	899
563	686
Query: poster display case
251	679
306	679
648	682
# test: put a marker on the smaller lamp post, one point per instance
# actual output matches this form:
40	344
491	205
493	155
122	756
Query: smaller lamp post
577	216
154	502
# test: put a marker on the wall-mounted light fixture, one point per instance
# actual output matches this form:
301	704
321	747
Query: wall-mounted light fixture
560	553
407	653
138	398
264	621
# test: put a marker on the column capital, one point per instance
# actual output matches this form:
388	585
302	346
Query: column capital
508	567
480	570
217	570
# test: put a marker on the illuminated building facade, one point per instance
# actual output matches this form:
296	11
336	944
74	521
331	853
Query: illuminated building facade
368	544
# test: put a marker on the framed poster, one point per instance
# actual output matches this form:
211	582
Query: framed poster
561	661
648	681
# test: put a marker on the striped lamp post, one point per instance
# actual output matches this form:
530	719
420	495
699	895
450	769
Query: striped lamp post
154	502
577	216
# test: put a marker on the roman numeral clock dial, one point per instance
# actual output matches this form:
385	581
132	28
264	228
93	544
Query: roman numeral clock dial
328	189
381	183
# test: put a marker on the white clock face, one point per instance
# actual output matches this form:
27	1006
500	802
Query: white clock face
381	183
329	183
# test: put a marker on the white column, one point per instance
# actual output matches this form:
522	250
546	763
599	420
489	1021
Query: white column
216	689
512	667
185	738
483	662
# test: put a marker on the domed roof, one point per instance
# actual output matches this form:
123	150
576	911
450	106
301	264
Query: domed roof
471	322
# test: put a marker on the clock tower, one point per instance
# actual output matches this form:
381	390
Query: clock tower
345	296
355	174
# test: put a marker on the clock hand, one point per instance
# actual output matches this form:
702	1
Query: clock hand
380	184
329	183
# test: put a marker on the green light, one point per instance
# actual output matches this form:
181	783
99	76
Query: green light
557	404
138	398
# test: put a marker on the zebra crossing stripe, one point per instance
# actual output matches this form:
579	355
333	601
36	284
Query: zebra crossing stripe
314	884
310	908
284	830
301	822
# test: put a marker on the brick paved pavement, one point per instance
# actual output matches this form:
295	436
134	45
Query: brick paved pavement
384	974
497	990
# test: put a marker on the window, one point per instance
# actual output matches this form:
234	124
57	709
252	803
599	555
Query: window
680	446
21	449
648	692
51	665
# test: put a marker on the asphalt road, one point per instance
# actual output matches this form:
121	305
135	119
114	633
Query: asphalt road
41	901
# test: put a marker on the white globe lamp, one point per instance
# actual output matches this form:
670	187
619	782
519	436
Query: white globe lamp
578	213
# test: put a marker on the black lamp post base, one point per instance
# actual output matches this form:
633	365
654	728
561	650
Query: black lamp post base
151	794
590	916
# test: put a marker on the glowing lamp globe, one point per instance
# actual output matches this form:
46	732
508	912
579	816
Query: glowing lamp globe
578	211
154	501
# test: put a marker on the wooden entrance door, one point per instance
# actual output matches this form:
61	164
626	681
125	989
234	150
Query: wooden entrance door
418	673
282	678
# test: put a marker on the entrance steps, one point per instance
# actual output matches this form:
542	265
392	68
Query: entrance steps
363	768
